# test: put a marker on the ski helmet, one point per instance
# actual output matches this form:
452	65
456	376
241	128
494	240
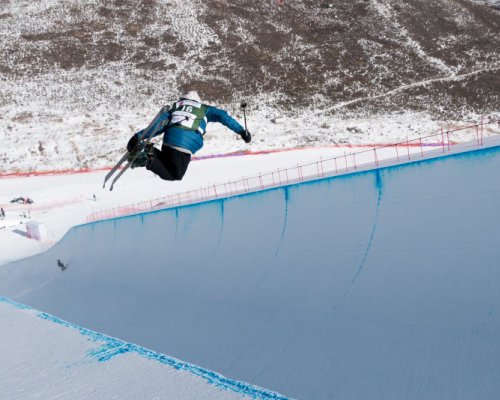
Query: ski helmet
191	95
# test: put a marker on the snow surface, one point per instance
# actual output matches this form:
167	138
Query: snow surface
378	284
63	201
82	76
53	362
37	139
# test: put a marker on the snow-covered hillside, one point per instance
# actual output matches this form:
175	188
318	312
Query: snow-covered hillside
78	77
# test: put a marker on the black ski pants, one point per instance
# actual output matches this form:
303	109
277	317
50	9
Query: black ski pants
169	164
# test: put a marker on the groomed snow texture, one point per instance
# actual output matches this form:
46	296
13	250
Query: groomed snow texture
383	284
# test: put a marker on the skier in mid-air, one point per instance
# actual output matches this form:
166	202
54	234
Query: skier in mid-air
183	127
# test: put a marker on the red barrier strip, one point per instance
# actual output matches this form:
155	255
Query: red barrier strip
21	174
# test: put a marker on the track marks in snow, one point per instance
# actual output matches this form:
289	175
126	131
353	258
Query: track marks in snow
452	78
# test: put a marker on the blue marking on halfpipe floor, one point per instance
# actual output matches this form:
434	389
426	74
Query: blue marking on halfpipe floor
378	185
113	347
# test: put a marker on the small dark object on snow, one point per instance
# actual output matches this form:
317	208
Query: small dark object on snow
22	200
61	265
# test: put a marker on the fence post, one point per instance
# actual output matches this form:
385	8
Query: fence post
442	138
482	130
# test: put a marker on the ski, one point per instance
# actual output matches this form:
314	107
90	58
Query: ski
139	148
136	151
115	168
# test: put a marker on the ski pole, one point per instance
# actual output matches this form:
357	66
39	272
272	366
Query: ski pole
243	107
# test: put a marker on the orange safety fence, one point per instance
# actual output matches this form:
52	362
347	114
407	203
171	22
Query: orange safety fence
439	142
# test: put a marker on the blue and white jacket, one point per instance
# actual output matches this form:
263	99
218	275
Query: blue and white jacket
184	125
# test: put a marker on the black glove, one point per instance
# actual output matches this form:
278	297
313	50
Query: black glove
132	143
245	135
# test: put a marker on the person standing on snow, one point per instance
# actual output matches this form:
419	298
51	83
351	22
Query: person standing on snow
183	127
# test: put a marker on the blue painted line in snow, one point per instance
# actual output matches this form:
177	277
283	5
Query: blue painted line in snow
285	221
221	230
113	347
379	185
14	304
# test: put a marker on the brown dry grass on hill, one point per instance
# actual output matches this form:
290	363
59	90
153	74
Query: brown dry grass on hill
299	50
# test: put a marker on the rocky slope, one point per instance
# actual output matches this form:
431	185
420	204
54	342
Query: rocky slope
79	74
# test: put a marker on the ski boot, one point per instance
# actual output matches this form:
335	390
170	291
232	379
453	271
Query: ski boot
142	156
